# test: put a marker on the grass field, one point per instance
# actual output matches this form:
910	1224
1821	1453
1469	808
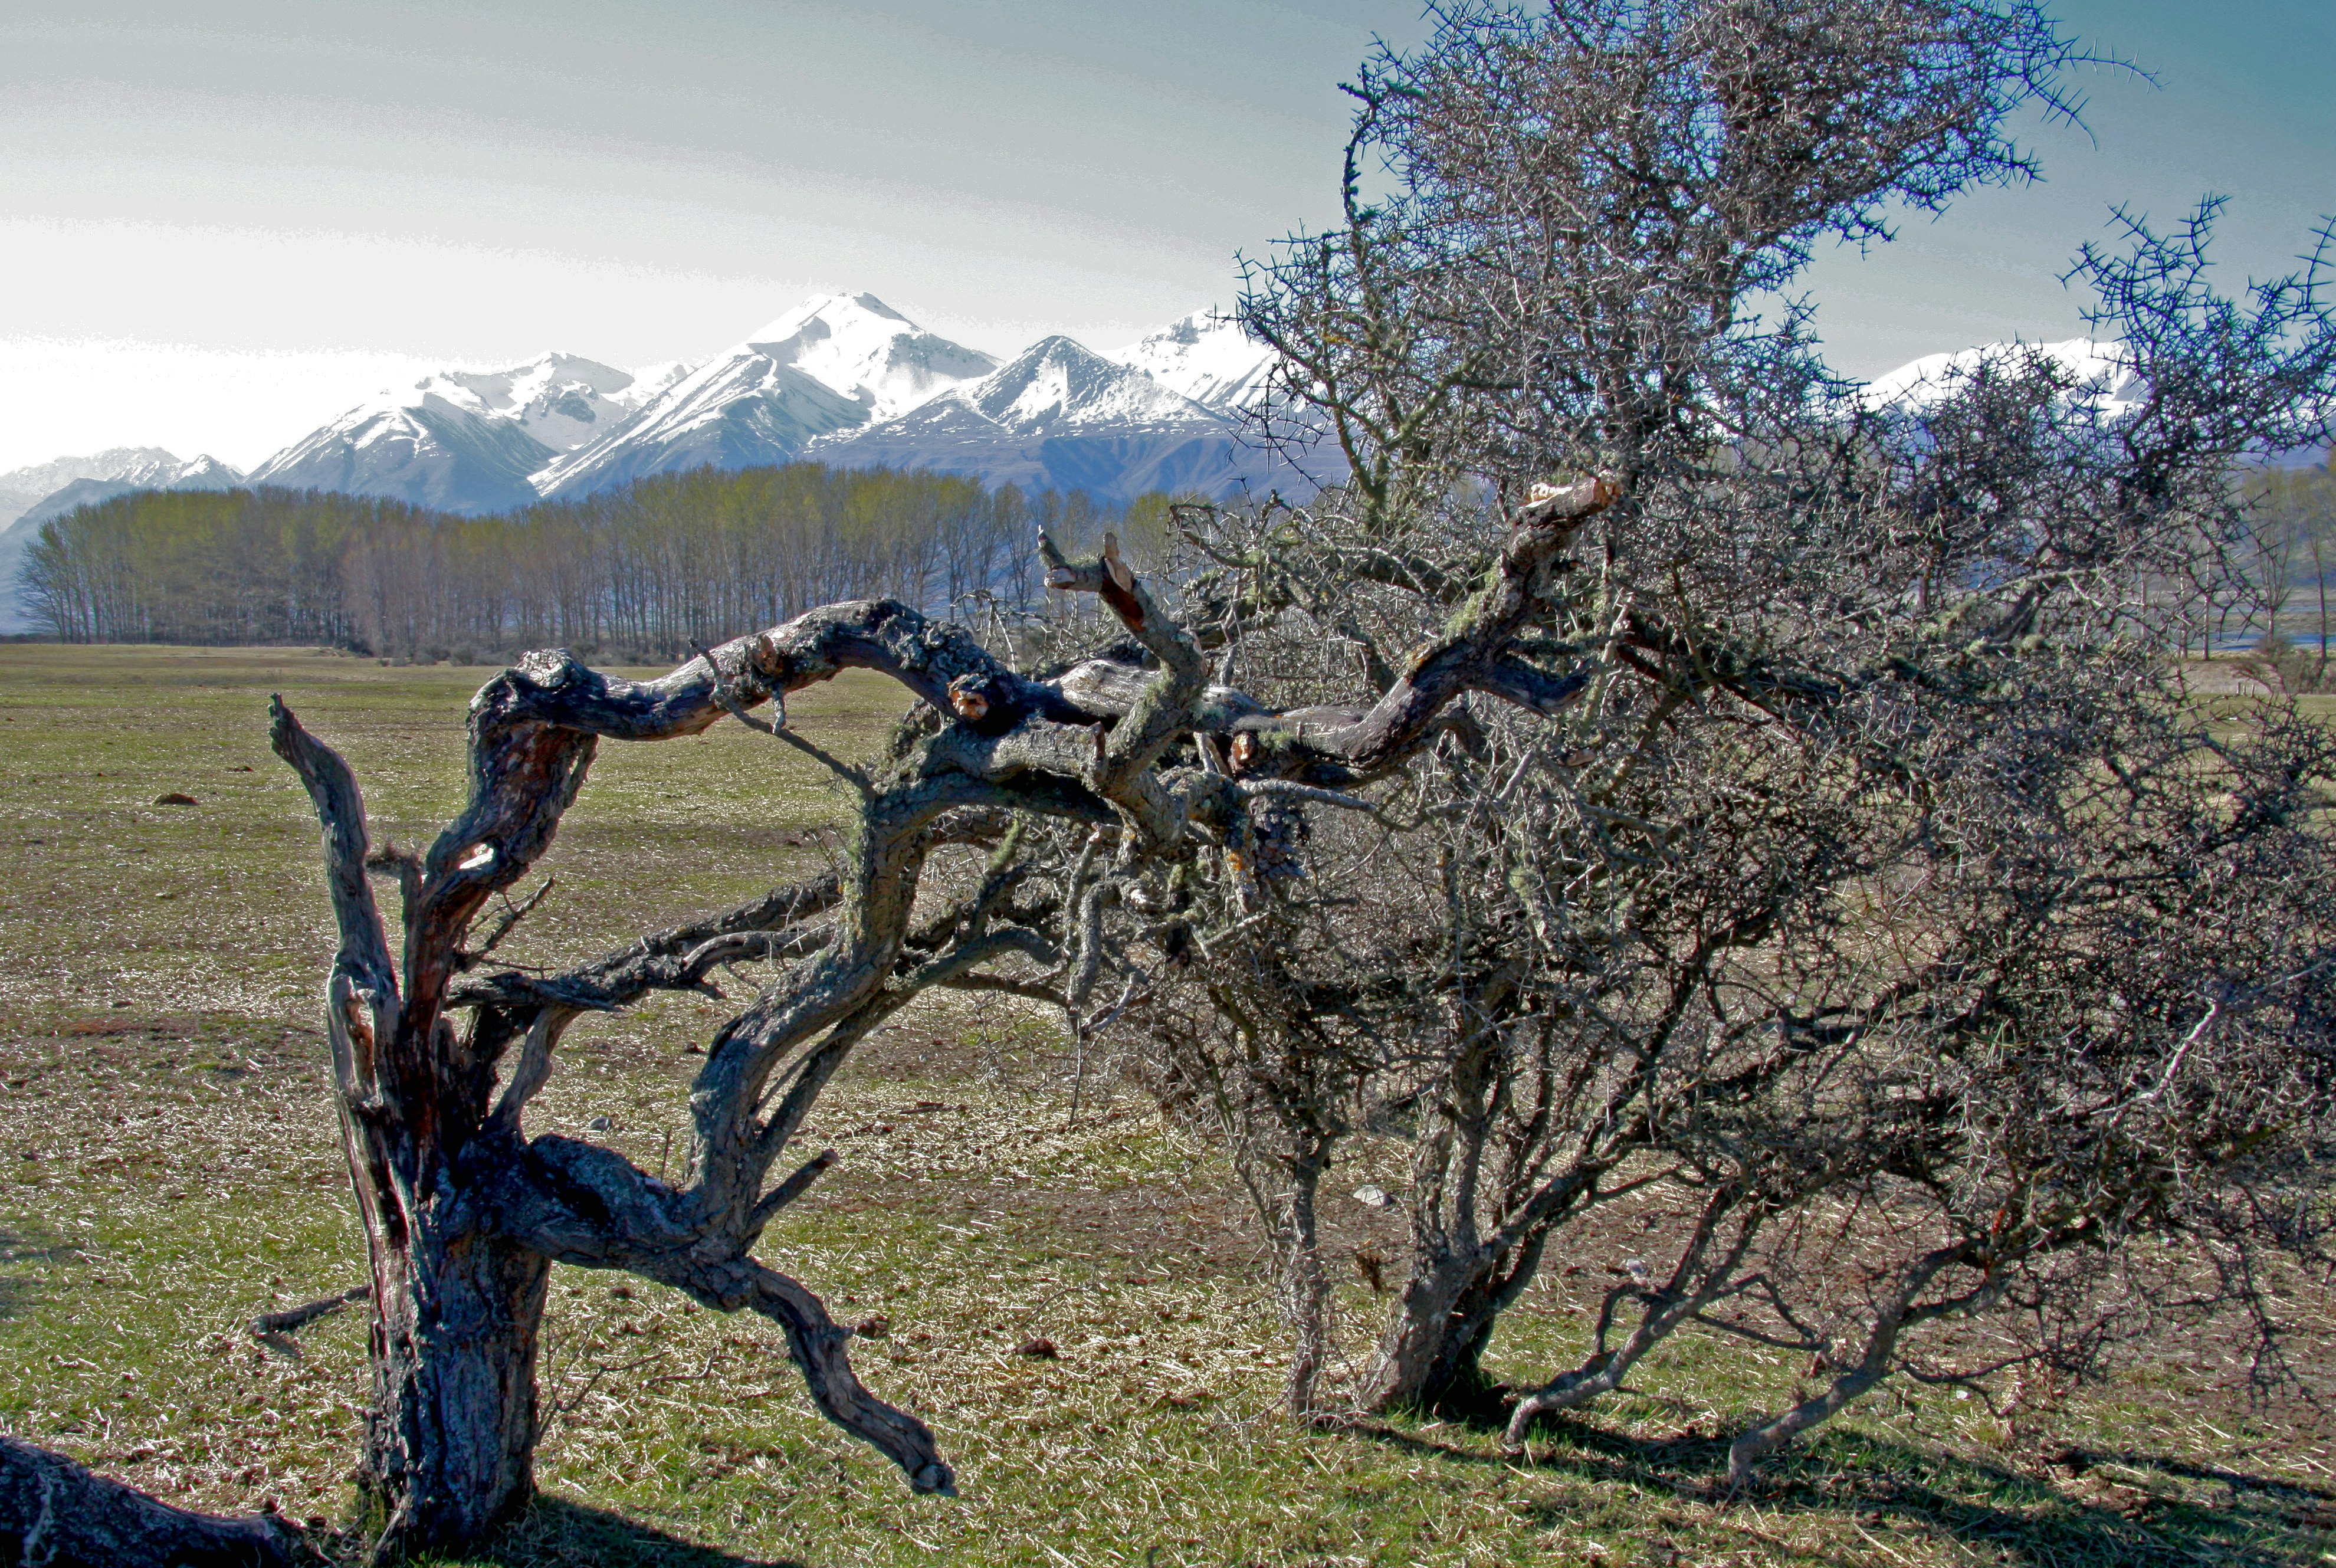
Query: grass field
168	1168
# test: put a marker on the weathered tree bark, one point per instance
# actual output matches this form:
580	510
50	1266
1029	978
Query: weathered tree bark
1306	1287
1893	1316
465	1213
463	1216
1430	1354
450	1436
55	1514
1482	1207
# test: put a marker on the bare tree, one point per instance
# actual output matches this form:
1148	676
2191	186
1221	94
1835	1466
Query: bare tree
1816	654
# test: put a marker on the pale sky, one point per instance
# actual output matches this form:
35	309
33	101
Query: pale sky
225	222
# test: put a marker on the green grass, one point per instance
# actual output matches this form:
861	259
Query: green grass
169	1167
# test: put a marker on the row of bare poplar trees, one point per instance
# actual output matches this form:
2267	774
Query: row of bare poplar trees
644	570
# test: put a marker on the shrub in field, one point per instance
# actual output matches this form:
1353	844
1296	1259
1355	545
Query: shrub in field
1850	847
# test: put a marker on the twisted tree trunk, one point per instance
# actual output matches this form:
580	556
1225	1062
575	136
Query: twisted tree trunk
1430	1354
463	1214
450	1439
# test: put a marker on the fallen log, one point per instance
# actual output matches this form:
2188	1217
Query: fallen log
57	1514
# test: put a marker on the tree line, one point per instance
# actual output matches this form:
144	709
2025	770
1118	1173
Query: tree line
642	571
2293	542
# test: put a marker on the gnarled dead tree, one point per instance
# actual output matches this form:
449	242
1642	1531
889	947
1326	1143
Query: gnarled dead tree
436	1052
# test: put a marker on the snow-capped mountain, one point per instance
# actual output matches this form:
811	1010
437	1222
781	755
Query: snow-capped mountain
204	473
738	410
1058	385
134	467
1059	415
1205	356
29	497
2101	372
467	440
430	451
841	377
835	362
857	345
562	400
650	380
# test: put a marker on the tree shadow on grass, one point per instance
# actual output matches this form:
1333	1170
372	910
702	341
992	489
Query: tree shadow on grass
560	1532
2114	1509
18	1248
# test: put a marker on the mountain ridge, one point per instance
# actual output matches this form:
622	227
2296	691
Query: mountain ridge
1061	416
1204	356
833	363
30	496
845	378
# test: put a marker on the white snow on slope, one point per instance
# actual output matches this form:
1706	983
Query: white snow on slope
562	400
1060	384
857	345
1204	356
715	415
2101	372
421	447
833	363
1060	416
464	439
130	467
649	380
31	496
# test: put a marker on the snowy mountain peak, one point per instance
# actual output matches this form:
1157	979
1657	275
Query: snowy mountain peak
114	472
1058	381
860	347
839	377
1061	416
30	497
206	472
1206	356
652	379
844	313
115	462
833	364
562	400
429	449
